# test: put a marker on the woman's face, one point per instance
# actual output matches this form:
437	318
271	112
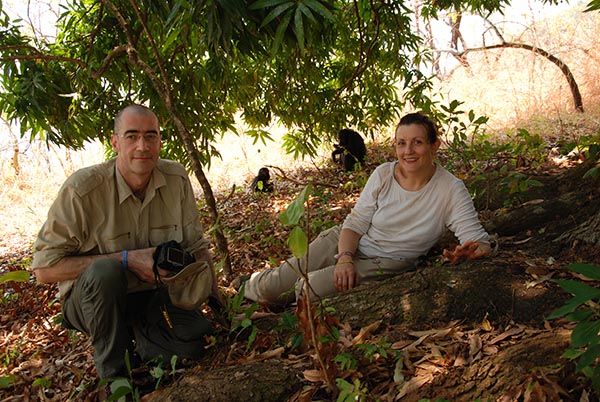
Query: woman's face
413	149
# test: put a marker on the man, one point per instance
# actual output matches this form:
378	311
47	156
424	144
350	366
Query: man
98	244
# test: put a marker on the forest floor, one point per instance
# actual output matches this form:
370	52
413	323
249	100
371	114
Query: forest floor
40	361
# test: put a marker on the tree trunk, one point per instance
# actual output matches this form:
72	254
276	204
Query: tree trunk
209	196
587	232
493	290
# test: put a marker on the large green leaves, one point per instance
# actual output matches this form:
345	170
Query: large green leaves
298	240
291	17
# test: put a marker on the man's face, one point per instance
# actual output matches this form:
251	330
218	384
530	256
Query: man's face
137	143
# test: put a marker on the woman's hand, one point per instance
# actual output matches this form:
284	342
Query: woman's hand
470	250
345	275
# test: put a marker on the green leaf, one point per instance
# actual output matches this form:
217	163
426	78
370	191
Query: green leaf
306	11
299	28
298	242
42	382
280	33
7	381
15	276
580	290
294	211
174	12
585	333
589	270
593	5
569	307
572	354
119	388
267	3
580	315
320	9
588	357
276	13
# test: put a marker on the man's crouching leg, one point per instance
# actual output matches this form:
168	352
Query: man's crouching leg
162	329
96	306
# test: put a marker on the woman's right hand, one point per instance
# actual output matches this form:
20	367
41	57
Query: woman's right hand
344	275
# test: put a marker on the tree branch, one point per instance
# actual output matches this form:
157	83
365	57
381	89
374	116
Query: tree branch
577	98
36	55
119	50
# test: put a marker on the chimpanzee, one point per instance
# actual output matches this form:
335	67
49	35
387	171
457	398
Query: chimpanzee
350	150
261	181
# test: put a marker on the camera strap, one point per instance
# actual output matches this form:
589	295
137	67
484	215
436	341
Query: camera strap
157	279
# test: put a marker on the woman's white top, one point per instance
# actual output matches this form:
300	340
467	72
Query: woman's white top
403	225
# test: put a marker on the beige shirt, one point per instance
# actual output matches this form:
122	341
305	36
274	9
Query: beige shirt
95	213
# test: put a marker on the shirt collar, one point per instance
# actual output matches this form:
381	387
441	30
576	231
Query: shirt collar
157	180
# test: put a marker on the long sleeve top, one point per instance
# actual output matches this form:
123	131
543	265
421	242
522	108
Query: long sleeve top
403	225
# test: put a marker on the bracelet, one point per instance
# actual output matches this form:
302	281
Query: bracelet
343	253
344	262
124	259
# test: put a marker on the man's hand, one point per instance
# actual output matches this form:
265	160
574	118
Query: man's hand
140	263
345	276
470	250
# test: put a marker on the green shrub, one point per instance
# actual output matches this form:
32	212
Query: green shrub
584	310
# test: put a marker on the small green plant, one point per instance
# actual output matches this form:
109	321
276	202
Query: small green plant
346	361
234	310
120	388
531	145
42	382
12	355
351	392
15	276
516	182
289	322
370	349
584	310
7	381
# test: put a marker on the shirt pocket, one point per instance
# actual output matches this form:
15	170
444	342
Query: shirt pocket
113	243
164	233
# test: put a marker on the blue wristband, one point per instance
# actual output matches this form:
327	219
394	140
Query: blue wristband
124	259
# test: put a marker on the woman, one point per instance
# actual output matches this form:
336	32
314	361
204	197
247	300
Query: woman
403	211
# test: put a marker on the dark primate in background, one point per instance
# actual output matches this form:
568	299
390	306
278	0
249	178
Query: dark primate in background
261	181
350	150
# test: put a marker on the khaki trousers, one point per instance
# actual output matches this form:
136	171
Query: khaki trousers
284	283
116	322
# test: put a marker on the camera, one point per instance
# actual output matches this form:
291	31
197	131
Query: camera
170	256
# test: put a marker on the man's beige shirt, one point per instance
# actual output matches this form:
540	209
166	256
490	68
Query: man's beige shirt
96	212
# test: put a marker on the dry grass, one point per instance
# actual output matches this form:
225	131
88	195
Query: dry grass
514	87
28	190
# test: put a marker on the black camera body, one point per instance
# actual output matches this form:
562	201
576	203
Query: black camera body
170	256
